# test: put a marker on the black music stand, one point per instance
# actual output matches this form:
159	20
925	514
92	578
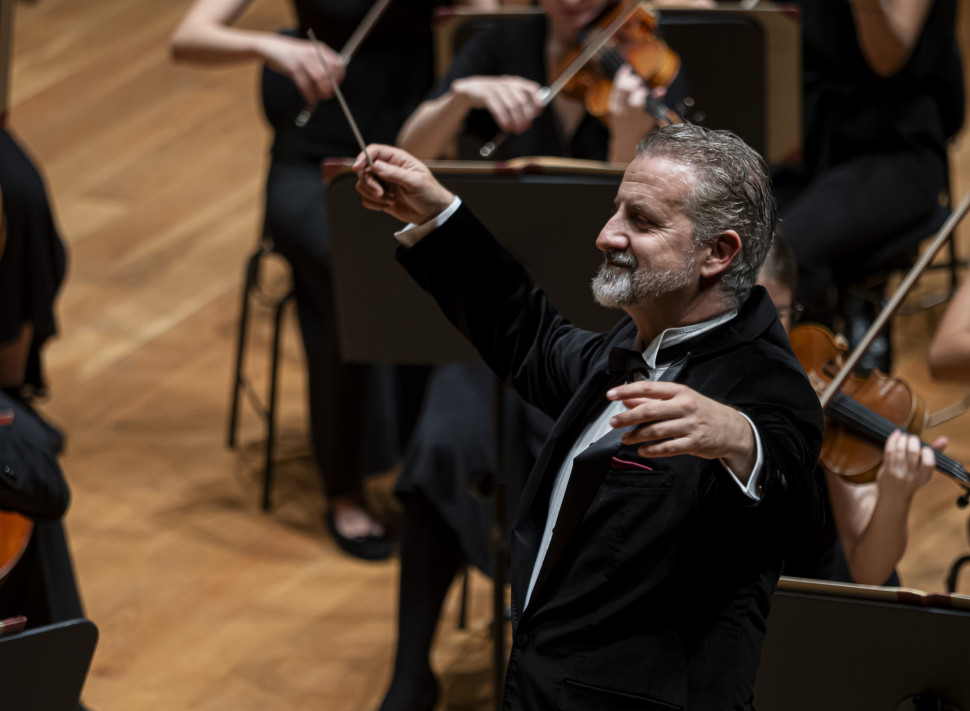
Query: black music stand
44	669
854	648
547	217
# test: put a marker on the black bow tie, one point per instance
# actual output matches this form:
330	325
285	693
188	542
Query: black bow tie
628	362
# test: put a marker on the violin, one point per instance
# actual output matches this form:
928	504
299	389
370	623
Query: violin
590	67
15	533
832	372
635	43
861	417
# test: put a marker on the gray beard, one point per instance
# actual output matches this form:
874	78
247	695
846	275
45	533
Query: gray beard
628	284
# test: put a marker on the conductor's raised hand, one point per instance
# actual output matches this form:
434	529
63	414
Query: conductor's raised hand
668	419
400	185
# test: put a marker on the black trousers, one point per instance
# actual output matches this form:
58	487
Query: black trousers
832	219
360	415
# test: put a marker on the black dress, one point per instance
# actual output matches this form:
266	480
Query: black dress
874	148
354	419
33	262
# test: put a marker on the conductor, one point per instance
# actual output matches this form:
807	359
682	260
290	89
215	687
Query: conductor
652	530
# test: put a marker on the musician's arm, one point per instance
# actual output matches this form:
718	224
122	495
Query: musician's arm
949	357
872	518
206	36
888	30
435	123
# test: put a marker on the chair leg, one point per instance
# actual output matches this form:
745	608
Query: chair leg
271	406
238	381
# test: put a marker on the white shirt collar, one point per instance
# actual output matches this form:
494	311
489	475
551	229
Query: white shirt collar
679	334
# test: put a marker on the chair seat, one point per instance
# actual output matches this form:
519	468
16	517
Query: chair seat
899	251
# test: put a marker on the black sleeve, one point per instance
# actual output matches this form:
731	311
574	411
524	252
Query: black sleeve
787	415
31	482
491	298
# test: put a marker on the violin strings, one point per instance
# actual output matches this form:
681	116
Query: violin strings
611	60
876	427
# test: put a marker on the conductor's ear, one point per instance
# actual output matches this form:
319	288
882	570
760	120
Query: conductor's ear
721	253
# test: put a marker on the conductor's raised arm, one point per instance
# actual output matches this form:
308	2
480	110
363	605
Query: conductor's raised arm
400	185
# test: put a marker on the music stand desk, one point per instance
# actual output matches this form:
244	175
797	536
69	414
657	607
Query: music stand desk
44	669
855	648
547	216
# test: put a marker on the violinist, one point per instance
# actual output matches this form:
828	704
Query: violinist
865	537
359	414
492	83
883	92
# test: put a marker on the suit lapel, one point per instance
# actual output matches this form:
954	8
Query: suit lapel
588	471
530	517
587	474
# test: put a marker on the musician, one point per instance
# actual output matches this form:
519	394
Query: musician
866	533
32	267
359	415
652	530
883	92
492	83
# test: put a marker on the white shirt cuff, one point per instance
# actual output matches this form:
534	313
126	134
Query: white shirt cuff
412	233
753	488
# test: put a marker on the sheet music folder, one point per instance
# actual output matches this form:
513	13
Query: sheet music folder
44	669
548	215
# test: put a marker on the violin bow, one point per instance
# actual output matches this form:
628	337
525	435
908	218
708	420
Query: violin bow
896	301
340	99
349	49
546	94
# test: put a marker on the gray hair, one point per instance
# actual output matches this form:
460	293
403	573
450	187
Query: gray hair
731	191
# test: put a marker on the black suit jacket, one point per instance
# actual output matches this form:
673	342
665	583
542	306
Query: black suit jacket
657	583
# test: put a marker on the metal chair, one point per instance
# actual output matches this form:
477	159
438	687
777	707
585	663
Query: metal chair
265	407
862	285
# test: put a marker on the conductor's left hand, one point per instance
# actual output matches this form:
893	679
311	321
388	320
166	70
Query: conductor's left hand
400	185
671	419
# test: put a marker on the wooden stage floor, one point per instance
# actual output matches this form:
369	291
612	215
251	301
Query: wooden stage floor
203	601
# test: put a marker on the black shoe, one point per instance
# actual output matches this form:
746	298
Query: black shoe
363	547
